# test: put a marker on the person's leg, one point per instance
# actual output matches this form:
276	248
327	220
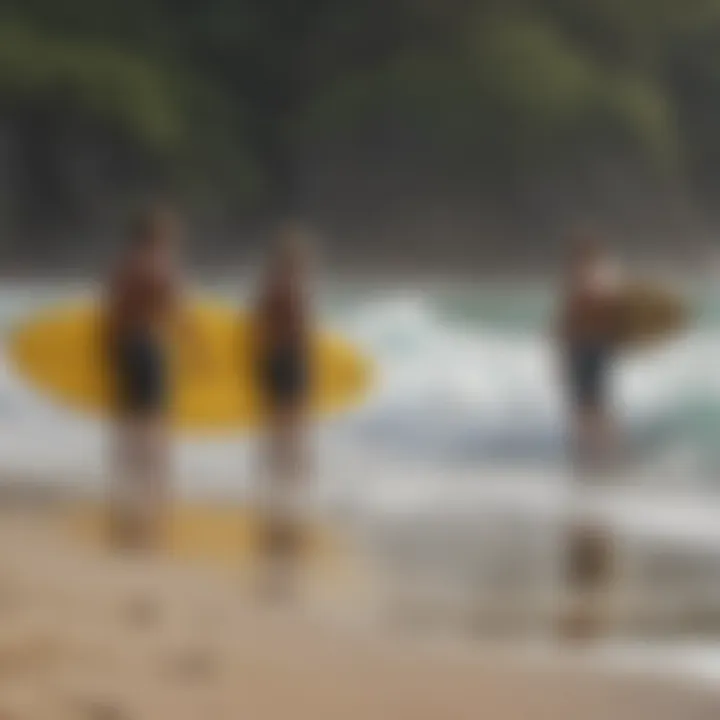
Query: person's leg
119	462
155	478
589	577
577	424
586	426
589	543
140	376
140	483
601	436
126	481
152	397
592	431
600	428
281	533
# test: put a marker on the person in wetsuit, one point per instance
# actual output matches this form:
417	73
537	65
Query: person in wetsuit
282	334
588	329
588	326
144	301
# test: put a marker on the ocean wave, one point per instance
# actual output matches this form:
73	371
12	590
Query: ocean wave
450	390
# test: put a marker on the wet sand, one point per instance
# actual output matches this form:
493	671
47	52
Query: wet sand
90	636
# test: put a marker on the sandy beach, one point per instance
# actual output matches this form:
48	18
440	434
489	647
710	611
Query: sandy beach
91	636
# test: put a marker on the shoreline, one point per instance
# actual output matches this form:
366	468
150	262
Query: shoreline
90	635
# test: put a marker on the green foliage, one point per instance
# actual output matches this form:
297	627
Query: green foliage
232	89
111	86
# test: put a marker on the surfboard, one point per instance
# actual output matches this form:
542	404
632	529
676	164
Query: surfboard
59	352
650	312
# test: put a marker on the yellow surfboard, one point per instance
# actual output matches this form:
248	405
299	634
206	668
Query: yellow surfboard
213	389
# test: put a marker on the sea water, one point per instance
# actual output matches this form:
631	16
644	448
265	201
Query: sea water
467	380
457	456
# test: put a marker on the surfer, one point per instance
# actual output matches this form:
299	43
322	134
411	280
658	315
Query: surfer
282	332
587	331
588	335
144	301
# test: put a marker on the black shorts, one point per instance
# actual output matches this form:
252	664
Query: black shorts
588	371
284	377
141	374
